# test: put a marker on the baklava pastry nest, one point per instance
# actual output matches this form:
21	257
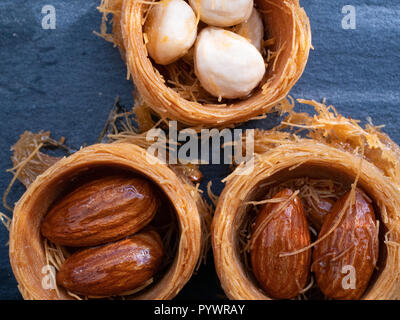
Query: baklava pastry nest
30	252
336	154
173	91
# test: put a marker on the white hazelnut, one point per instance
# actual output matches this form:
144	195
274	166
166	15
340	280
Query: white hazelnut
223	13
171	30
252	29
227	65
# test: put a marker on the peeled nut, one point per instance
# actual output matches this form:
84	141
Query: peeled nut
223	13
171	30
226	64
252	29
281	228
114	268
101	211
343	262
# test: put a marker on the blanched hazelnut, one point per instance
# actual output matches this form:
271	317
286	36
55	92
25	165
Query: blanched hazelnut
223	13
226	64
252	29
171	30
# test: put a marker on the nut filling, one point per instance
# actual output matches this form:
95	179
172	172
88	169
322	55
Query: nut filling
311	239
109	234
221	65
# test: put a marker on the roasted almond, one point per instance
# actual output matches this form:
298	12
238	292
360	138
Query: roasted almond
344	261
318	210
281	228
101	211
114	268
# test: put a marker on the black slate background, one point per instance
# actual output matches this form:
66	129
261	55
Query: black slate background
65	80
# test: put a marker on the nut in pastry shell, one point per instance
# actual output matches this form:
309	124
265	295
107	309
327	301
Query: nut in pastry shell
27	249
227	65
171	29
252	29
223	13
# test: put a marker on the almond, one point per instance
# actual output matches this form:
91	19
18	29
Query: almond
284	229
318	210
114	268
344	261
101	211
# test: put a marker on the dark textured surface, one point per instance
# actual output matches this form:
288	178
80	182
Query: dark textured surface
66	80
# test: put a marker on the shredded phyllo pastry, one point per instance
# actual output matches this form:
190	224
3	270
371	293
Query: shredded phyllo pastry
5	220
322	155
213	197
173	91
30	160
333	129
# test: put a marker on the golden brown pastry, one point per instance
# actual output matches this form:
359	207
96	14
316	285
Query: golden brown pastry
335	157
31	254
174	92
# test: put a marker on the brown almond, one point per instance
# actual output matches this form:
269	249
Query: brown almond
318	210
114	268
281	277
344	261
101	211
